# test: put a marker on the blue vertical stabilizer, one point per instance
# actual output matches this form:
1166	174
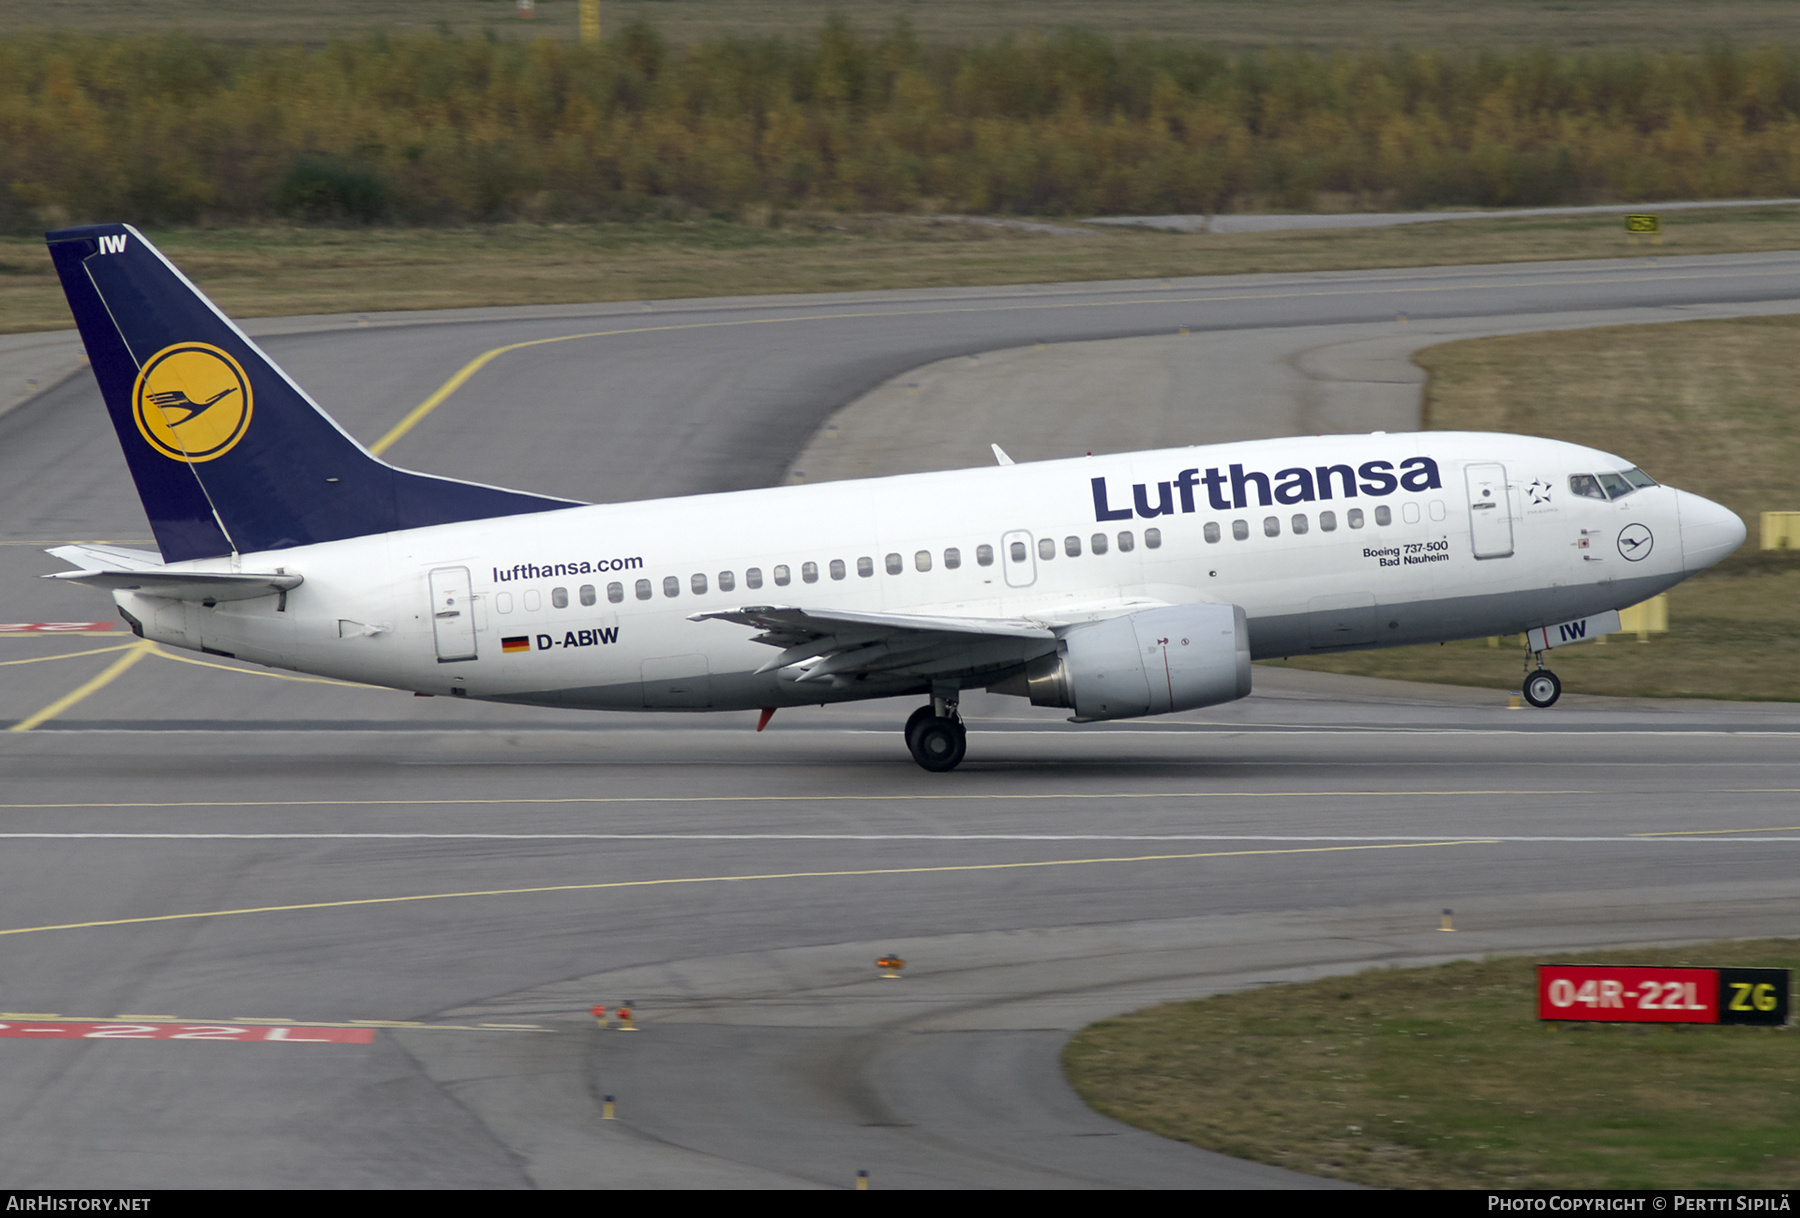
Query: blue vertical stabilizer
227	452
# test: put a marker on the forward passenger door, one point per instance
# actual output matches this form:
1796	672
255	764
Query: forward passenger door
1490	511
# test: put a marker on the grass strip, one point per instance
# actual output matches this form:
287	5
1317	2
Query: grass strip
1443	1078
273	271
1232	23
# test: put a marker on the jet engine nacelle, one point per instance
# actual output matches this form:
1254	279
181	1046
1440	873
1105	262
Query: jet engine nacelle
1147	663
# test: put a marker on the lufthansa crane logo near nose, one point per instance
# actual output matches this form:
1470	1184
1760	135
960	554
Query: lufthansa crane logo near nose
1635	542
191	402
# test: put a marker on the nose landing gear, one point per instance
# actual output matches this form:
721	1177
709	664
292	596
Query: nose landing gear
935	735
1542	687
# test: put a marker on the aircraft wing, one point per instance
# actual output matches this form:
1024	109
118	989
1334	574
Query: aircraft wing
842	645
115	567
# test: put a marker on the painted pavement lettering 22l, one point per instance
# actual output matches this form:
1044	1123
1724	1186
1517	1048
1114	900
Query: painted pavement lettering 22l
1296	484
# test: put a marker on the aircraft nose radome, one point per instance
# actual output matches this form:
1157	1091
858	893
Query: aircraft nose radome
1709	532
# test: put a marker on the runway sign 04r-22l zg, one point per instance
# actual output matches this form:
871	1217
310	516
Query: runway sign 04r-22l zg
1664	995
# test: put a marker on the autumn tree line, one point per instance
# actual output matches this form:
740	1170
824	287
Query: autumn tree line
425	129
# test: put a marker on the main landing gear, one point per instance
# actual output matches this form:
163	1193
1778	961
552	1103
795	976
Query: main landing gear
935	735
1542	687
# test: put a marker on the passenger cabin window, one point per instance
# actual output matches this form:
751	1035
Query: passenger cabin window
1072	547
1126	542
587	594
671	585
782	576
895	564
698	583
837	568
1327	522
865	567
1018	551
1435	509
1383	516
533	600
1354	518
1098	543
1409	512
559	598
1299	523
643	589
984	556
952	559
1152	539
503	602
615	592
922	560
1211	532
727	581
1240	530
809	572
753	577
1046	547
1271	526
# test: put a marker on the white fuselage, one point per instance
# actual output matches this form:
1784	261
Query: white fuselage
1415	554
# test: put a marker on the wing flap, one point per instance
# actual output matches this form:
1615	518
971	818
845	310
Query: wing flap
782	620
840	645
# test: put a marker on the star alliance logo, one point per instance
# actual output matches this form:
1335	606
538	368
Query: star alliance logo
1539	491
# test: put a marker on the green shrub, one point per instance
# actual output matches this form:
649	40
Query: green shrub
435	129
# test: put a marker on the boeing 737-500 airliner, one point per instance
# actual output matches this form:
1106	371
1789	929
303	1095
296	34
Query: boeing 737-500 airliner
1116	586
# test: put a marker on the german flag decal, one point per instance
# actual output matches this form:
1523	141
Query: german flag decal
518	642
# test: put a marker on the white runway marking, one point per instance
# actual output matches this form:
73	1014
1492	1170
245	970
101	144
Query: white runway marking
1226	729
1676	836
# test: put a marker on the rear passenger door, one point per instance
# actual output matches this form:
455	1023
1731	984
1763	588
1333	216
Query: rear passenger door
452	614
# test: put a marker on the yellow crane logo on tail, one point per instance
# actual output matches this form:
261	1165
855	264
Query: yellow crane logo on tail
192	402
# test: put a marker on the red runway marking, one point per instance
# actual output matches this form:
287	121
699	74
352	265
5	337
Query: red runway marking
53	627
185	1031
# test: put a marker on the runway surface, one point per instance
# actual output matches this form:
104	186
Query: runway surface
241	852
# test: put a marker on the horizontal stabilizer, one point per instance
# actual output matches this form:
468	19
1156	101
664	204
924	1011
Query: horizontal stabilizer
108	558
115	569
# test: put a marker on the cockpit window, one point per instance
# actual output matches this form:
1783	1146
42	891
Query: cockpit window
1609	485
1586	486
1615	485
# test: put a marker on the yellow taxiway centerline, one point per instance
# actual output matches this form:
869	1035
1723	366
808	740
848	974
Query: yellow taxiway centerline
67	655
279	676
1717	832
729	879
133	653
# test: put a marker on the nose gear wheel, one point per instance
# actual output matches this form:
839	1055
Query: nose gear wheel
1542	688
